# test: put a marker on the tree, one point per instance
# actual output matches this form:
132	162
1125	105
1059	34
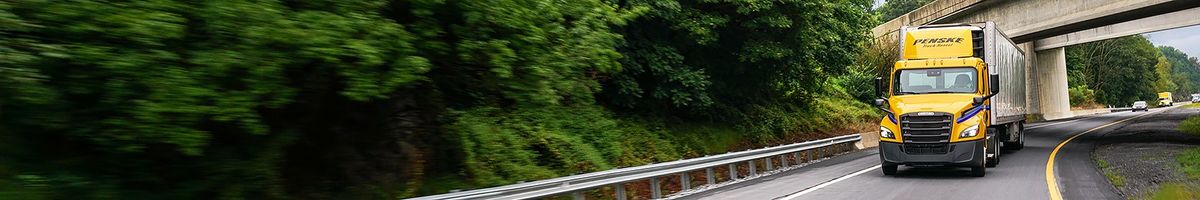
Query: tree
894	8
733	54
1119	71
1165	78
1185	71
226	99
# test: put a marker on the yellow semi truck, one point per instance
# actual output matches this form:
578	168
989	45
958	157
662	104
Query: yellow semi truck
956	97
1164	99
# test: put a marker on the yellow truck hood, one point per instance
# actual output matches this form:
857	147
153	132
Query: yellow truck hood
949	103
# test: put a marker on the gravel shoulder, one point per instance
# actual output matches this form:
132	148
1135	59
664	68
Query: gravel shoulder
1139	157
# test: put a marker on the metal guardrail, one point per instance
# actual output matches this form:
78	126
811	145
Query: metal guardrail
617	178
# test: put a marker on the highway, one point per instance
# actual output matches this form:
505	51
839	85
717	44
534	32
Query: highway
1020	174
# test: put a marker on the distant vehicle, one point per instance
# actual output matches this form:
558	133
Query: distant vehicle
1195	98
1164	99
1139	105
955	98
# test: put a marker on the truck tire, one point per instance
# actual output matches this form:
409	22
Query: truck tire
979	171
993	148
889	170
1020	143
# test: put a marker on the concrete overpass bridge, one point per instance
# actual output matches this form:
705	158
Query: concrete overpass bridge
1043	27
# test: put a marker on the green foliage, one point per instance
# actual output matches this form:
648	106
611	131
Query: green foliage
728	56
1189	161
1120	70
1111	173
1081	95
502	147
894	8
1166	81
383	99
214	93
1171	191
1191	126
1185	71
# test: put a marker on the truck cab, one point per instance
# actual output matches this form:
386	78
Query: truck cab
941	99
1164	99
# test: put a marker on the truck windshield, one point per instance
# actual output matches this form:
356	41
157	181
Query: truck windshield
939	80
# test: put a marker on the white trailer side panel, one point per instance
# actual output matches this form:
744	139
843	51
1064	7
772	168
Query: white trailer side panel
1004	58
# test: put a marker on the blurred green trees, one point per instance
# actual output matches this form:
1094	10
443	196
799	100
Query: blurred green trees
894	8
384	99
1119	71
1123	70
1185	72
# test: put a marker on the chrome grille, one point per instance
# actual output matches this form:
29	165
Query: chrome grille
926	132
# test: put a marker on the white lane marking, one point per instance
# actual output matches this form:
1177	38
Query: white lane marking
793	195
1064	122
822	185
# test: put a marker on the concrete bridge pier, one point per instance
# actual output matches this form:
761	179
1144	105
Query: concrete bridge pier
1051	75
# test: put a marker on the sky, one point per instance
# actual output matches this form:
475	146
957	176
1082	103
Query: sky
1186	39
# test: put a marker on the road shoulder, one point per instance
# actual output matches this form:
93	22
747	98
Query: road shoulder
1140	157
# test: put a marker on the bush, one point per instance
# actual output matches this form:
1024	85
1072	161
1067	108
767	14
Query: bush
505	146
1080	95
1190	126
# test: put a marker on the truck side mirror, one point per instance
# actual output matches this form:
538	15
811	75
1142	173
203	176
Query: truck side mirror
994	83
879	86
879	102
978	100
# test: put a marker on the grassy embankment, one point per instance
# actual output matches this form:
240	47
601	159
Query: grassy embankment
503	146
1190	163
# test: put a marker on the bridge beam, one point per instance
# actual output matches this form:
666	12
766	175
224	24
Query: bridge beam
1167	21
1051	78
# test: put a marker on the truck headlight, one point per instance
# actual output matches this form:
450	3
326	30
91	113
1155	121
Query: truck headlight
885	133
969	132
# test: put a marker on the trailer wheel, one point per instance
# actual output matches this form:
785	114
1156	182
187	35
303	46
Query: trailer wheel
1020	143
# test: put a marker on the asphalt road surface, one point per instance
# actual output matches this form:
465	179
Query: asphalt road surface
1020	174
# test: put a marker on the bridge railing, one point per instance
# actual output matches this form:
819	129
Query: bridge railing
789	156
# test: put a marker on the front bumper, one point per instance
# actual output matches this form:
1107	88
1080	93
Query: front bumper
962	154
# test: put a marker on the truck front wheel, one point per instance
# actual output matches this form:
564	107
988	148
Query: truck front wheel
889	169
992	148
980	169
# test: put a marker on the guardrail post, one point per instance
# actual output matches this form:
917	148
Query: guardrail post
770	165
712	178
753	169
577	196
685	181
655	189
799	159
783	160
620	188
732	171
812	154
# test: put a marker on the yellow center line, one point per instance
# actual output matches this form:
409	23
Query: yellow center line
1051	182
